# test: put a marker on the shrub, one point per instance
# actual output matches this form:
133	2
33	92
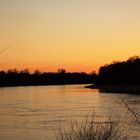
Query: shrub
95	128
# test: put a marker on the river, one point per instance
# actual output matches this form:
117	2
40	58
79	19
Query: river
35	112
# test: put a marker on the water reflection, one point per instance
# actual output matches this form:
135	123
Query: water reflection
35	112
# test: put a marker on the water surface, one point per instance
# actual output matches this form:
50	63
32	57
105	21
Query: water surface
34	112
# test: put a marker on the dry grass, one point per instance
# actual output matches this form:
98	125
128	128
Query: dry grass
94	128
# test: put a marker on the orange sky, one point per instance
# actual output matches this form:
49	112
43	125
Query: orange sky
77	35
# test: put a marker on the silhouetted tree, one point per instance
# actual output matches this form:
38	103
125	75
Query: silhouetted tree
61	70
37	72
125	72
13	77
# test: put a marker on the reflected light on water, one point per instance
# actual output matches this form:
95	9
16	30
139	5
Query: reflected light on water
35	112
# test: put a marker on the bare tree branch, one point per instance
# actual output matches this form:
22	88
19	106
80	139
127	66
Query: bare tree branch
5	48
133	112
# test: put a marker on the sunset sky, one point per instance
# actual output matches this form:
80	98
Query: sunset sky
78	35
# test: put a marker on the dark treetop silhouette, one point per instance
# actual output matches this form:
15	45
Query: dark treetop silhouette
14	77
24	78
120	77
117	73
126	72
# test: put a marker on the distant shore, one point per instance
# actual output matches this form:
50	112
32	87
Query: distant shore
13	77
5	86
133	89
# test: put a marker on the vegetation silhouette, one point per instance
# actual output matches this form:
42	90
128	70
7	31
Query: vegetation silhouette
13	77
117	73
119	77
121	73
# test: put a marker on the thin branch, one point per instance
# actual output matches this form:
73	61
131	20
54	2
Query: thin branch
5	48
131	110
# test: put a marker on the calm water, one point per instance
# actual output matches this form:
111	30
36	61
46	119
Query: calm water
34	113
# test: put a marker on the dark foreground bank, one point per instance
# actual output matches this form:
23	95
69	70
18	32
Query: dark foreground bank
134	89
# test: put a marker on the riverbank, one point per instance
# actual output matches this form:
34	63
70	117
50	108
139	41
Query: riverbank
133	89
66	84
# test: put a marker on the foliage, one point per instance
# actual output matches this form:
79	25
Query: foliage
126	72
14	77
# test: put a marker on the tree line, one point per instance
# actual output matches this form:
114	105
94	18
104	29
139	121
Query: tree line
125	72
122	72
13	77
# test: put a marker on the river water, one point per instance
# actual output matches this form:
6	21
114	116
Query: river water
35	112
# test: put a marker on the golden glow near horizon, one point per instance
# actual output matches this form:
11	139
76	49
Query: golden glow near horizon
77	35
